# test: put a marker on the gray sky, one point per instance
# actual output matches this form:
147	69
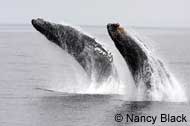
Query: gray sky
154	13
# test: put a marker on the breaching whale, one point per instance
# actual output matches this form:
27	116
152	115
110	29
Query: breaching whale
133	53
96	61
149	72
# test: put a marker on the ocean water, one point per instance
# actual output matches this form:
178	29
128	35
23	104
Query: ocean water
38	81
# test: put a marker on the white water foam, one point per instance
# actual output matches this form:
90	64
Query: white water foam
166	88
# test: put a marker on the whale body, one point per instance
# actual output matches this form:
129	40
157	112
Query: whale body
133	53
149	73
96	61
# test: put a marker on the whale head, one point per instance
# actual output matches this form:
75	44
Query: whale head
132	51
46	28
64	36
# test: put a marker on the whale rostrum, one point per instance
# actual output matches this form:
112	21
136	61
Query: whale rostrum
96	61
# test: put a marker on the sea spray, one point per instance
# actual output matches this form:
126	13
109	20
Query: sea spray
152	79
164	86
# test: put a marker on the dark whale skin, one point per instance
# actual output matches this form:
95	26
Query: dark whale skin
134	55
96	61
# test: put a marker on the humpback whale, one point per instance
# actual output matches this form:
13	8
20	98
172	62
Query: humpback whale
149	72
133	53
96	61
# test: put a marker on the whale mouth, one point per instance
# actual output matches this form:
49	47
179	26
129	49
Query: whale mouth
46	29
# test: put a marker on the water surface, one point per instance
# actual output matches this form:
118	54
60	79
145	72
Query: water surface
29	64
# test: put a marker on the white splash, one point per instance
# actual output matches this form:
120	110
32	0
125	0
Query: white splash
166	88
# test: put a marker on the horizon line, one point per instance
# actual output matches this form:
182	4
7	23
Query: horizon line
101	25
